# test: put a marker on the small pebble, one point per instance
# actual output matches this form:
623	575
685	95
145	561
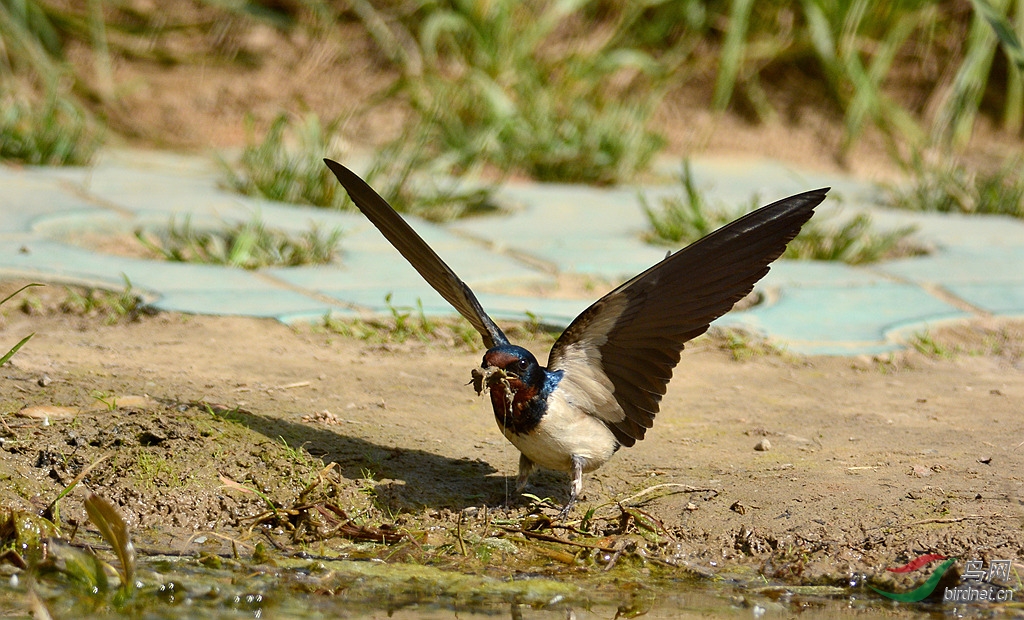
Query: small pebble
764	445
44	381
691	506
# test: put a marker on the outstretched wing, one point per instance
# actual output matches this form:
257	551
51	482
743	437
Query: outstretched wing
618	355
418	253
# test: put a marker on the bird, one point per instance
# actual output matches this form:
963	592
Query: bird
607	372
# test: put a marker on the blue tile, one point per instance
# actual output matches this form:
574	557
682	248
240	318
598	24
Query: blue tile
855	318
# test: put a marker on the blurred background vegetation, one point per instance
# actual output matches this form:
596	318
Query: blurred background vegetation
562	90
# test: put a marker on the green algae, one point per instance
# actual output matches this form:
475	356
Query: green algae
297	586
25	534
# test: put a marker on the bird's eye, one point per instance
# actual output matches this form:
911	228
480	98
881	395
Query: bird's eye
522	364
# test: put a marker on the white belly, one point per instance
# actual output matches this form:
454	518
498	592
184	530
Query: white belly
563	433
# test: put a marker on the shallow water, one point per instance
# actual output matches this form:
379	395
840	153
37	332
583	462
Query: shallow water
173	587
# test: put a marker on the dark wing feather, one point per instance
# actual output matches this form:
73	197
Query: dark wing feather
618	355
418	253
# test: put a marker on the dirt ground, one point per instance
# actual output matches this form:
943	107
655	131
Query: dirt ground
872	461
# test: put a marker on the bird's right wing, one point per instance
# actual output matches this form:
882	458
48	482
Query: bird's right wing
618	355
418	253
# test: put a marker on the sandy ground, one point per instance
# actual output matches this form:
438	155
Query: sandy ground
872	462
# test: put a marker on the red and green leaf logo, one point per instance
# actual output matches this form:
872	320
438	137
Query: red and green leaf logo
922	591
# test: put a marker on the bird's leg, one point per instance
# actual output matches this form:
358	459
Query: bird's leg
575	488
526	467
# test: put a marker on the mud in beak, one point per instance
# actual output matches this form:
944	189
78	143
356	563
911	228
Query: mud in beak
489	377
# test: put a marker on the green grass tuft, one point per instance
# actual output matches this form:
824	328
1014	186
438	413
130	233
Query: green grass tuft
414	181
743	345
950	187
125	305
515	87
685	218
53	132
404	323
247	245
923	342
287	165
853	242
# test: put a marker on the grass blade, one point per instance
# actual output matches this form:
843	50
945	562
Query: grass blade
8	298
10	354
1013	112
732	53
1003	30
7	356
955	121
51	511
114	530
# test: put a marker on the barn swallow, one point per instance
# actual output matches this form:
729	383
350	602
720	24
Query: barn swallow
608	370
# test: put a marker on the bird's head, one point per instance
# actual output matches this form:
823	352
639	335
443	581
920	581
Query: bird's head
518	364
511	368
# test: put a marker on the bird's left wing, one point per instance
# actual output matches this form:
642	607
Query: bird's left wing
618	355
418	253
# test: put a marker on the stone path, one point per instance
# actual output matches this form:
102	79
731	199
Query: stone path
977	268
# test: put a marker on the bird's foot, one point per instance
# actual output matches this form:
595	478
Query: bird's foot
575	488
564	512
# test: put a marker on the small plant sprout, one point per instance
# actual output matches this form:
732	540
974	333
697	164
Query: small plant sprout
924	342
106	398
52	511
125	305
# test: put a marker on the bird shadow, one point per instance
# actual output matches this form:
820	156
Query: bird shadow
404	479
